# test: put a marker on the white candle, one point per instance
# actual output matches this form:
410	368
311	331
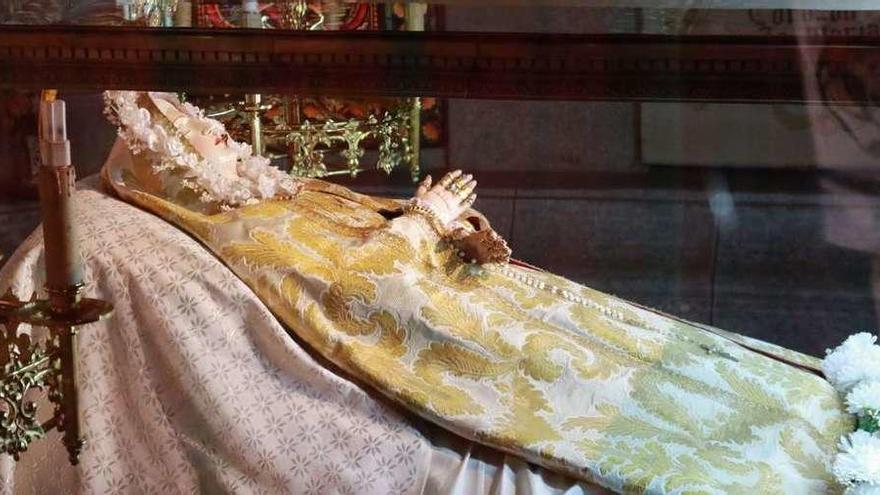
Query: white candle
56	180
54	146
250	6
251	17
127	10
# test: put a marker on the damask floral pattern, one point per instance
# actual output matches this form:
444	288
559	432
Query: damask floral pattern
527	361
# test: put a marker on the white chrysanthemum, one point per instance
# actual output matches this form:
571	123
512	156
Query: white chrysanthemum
864	396
857	359
863	489
859	459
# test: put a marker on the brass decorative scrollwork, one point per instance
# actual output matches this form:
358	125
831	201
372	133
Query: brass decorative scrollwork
34	364
27	368
34	361
391	132
327	147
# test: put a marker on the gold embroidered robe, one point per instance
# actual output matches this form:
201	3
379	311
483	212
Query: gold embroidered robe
523	360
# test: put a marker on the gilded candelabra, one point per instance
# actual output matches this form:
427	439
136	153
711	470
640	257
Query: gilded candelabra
35	362
152	12
392	132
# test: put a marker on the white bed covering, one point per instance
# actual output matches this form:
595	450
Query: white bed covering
192	386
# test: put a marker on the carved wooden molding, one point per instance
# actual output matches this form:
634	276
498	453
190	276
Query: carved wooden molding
467	65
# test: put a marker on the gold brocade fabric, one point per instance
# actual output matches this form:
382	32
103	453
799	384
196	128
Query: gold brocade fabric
591	385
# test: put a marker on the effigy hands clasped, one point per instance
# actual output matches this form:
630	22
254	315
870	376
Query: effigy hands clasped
447	207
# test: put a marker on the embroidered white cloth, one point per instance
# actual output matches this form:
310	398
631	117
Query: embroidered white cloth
192	386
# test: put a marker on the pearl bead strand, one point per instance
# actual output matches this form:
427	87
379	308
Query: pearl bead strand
528	280
564	293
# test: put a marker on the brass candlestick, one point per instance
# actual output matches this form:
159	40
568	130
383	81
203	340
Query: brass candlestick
47	363
253	106
251	18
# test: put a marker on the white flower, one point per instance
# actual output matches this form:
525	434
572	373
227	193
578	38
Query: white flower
266	186
156	138
243	149
173	148
857	359
863	489
253	176
864	396
289	186
191	110
250	167
858	460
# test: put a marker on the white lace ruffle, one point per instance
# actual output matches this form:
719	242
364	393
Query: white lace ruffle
167	150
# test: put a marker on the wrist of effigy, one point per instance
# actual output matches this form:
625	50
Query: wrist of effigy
418	207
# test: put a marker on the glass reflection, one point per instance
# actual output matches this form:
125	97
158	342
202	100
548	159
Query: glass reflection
758	218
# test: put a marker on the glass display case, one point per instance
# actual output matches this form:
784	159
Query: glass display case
721	169
713	159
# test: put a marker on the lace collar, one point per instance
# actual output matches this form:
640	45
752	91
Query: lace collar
167	150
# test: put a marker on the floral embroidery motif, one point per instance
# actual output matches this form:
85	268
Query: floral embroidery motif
633	400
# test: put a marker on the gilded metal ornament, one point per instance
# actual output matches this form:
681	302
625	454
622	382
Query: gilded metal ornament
299	15
315	149
33	365
150	12
391	131
24	372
